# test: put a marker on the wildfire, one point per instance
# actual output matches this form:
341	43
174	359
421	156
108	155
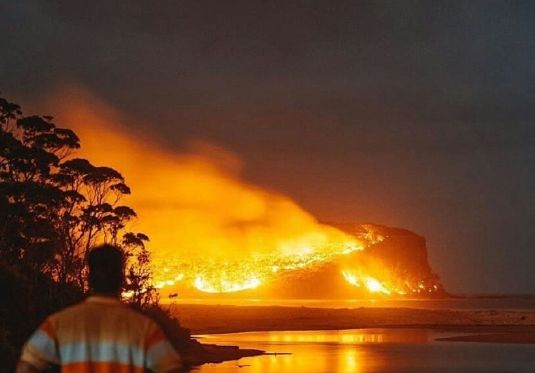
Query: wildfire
371	284
225	286
227	276
209	230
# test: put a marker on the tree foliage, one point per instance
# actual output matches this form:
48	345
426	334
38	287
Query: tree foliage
54	206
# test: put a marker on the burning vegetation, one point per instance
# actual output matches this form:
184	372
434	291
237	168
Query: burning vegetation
213	234
373	261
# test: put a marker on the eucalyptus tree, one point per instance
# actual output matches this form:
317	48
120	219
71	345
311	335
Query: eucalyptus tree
54	207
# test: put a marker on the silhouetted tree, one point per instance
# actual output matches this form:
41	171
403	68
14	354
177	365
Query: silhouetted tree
138	271
92	211
53	206
30	151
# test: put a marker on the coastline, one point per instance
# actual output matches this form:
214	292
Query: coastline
518	337
498	326
202	353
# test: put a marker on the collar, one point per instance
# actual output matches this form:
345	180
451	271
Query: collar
102	299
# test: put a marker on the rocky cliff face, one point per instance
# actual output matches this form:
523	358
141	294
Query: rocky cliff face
400	252
394	263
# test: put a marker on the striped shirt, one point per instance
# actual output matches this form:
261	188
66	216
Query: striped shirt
100	335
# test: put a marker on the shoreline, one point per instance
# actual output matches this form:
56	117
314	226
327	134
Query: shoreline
498	326
508	338
203	353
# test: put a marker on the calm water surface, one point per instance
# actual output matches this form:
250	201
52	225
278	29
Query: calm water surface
370	350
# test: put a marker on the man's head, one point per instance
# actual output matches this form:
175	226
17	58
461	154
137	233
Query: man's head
106	269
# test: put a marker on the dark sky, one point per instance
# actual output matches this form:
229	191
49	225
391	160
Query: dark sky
416	114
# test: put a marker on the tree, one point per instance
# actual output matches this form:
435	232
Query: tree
138	287
54	207
30	150
92	212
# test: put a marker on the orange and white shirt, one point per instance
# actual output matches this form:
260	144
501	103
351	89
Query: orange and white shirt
100	335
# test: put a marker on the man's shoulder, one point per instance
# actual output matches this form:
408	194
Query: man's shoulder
95	308
75	308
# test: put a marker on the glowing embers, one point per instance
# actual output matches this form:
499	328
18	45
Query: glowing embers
225	286
369	283
219	275
389	285
170	280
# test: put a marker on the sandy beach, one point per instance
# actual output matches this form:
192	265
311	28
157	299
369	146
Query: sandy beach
474	325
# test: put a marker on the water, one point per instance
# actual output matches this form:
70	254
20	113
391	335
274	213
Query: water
370	350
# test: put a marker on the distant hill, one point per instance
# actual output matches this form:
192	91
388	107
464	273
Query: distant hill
400	251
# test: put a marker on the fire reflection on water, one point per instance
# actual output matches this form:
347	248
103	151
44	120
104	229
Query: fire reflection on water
369	350
341	337
313	351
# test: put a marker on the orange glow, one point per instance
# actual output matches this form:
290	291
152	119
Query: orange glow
370	283
375	286
209	229
225	286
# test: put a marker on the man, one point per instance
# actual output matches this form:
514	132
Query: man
100	335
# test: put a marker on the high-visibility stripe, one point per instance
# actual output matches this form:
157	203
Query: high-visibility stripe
92	367
43	345
101	352
35	358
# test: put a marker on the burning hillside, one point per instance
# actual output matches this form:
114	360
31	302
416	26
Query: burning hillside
213	233
395	262
391	262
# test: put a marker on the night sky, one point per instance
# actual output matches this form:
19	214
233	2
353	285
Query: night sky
416	114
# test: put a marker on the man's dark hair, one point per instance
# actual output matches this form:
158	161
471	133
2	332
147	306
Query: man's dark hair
106	269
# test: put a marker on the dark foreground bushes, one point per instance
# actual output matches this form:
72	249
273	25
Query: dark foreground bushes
27	297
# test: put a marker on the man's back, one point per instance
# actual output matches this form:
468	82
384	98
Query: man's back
100	335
